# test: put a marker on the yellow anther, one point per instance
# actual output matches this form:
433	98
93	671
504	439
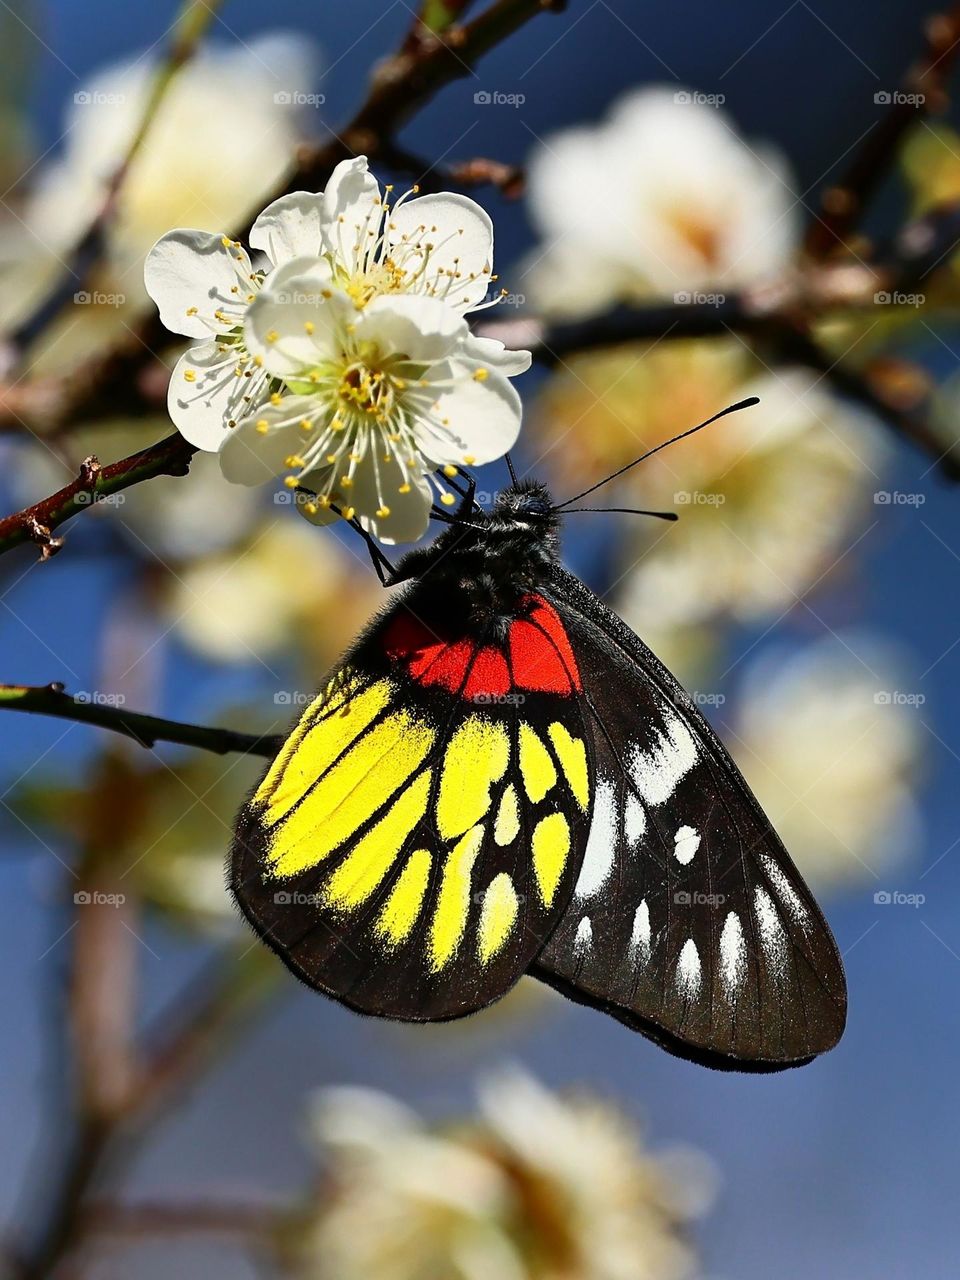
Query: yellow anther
310	508
306	424
272	336
469	459
189	375
449	471
383	512
290	481
275	397
404	488
331	458
191	311
323	500
309	326
293	460
346	482
349	513
481	375
263	426
447	499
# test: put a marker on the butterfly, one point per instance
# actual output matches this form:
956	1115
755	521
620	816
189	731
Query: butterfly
500	779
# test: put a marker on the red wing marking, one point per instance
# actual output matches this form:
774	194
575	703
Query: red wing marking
539	655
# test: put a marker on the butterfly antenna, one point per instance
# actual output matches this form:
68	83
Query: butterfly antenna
628	511
731	408
513	474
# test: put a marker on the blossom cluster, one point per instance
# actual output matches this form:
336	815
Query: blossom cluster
340	357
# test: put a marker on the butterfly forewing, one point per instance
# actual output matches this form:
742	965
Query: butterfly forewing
419	835
688	921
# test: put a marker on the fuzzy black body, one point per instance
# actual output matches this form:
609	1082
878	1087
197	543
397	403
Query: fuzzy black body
674	906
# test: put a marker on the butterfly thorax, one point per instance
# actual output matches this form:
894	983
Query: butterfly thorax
490	561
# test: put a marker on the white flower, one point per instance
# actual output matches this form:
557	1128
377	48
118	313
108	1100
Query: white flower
536	1188
203	283
828	738
345	361
220	141
662	198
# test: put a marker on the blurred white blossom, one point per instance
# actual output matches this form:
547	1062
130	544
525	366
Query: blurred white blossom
287	590
662	198
828	736
769	501
221	140
538	1187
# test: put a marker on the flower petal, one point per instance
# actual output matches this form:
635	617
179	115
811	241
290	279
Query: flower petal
250	455
376	488
206	394
449	238
422	328
474	421
192	274
492	353
294	321
352	211
291	227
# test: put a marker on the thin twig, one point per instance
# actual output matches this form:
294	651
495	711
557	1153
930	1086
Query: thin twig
52	700
170	457
923	92
157	1218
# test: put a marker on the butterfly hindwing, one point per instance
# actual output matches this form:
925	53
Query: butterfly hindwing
689	922
419	835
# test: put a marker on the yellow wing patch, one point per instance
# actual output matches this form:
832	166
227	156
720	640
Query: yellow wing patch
477	757
357	753
536	766
498	915
551	845
400	911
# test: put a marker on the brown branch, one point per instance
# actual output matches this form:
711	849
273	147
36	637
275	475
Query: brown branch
170	457
52	700
220	1218
922	93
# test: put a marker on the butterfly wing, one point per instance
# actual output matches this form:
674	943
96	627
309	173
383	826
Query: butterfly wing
420	832
689	922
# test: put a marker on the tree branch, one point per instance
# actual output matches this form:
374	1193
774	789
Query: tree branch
170	457
923	92
52	700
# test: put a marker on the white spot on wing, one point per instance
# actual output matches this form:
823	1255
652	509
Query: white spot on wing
656	772
688	970
771	931
601	843
640	938
584	937
634	819
733	954
686	844
786	892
